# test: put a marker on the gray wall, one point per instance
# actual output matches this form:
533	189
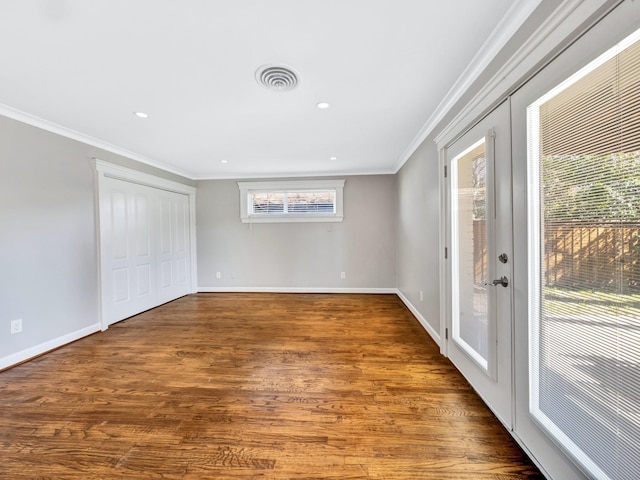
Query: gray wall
418	232
299	255
48	252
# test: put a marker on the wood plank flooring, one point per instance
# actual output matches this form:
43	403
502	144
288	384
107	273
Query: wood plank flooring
264	386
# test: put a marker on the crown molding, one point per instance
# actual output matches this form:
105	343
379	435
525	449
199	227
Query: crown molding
52	127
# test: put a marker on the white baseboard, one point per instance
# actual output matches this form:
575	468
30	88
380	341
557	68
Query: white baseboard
423	321
18	357
294	290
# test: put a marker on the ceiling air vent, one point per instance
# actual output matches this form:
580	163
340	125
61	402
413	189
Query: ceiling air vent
277	78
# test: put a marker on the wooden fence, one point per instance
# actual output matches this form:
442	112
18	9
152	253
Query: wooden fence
603	256
583	255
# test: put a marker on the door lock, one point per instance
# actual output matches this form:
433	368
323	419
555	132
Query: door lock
503	258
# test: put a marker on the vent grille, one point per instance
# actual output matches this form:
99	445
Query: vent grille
277	78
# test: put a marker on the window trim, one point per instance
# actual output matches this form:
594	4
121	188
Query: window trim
248	188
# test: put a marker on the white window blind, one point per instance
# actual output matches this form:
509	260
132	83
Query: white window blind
296	202
267	203
584	244
291	201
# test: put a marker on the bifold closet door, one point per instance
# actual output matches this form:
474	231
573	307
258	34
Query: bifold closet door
172	247
144	243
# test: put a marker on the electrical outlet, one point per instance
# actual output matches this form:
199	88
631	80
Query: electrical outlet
421	296
218	275
343	275
16	326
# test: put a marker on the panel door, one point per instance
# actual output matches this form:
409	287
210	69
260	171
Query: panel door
145	247
128	261
173	245
479	269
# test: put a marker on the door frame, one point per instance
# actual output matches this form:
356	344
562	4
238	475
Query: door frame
105	170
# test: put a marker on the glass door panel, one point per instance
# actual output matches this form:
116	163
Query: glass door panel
470	321
584	294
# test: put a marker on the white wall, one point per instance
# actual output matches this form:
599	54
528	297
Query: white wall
298	255
48	252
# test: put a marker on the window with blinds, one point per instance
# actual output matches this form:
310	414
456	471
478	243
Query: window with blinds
296	202
584	278
291	201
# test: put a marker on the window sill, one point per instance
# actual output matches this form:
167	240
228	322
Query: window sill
293	219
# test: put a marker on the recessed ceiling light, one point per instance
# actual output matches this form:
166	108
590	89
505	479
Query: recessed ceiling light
224	161
141	115
322	105
333	158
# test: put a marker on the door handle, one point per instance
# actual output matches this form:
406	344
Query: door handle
504	281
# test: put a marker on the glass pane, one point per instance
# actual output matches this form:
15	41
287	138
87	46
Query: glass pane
585	246
469	203
589	378
311	202
268	202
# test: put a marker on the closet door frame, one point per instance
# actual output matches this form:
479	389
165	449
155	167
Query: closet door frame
105	170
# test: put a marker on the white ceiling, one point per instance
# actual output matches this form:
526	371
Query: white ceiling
389	68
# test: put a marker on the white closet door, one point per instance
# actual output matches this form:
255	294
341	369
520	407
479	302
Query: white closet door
173	245
145	243
127	229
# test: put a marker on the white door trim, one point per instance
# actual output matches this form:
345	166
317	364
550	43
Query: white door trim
110	170
444	253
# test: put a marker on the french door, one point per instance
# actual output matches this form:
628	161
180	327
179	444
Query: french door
479	266
577	151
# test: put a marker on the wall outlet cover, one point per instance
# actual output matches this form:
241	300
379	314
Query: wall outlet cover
16	326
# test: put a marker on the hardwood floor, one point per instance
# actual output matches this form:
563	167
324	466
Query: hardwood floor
273	386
